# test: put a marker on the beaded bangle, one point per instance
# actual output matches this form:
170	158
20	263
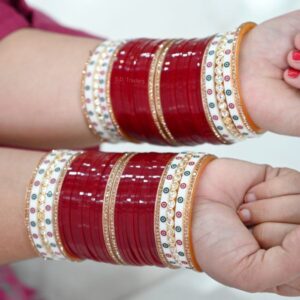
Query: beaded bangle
144	87
96	103
136	229
184	186
41	204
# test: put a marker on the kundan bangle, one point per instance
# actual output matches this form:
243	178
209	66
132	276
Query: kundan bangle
143	215
171	92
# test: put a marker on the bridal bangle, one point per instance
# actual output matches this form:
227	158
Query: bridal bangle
167	92
120	208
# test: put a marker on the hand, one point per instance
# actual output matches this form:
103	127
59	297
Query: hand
273	206
225	248
269	74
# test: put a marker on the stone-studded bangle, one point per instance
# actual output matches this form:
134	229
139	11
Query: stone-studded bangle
209	94
221	92
95	93
185	184
40	211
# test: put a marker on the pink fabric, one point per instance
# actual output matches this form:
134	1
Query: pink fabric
12	289
16	14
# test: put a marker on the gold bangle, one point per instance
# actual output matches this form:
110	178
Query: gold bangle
108	210
188	210
154	91
247	120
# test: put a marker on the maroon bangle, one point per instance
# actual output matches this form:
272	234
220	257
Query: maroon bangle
120	100
96	188
135	203
76	203
143	120
88	198
201	126
64	222
181	73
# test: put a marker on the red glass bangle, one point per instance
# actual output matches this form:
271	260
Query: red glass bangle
88	198
96	188
120	100
182	112
135	203
64	221
200	124
143	119
76	203
168	90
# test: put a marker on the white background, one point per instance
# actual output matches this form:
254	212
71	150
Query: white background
161	19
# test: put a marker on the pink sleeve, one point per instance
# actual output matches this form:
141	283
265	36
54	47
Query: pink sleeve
16	14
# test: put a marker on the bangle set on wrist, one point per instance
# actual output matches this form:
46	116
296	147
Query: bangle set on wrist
121	208
136	208
167	92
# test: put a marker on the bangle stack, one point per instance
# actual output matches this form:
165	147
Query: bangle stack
167	92
128	209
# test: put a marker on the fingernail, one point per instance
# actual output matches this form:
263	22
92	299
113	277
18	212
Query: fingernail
292	73
250	197
245	214
296	55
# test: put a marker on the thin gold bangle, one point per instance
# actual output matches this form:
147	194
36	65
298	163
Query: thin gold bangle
247	120
188	211
112	202
154	93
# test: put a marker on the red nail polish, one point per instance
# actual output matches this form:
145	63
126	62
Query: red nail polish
292	73
296	55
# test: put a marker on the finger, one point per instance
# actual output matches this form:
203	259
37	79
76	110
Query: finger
292	77
297	41
270	234
284	209
275	266
284	290
293	59
286	182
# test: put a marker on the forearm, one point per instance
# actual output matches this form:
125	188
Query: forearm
40	90
16	168
134	90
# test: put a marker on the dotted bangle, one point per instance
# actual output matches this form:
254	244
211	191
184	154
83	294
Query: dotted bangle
185	185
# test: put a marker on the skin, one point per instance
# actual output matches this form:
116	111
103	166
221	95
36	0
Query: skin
225	248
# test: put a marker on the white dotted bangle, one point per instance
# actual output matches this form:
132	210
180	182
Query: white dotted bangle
101	87
163	209
209	93
41	201
180	205
33	198
228	84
